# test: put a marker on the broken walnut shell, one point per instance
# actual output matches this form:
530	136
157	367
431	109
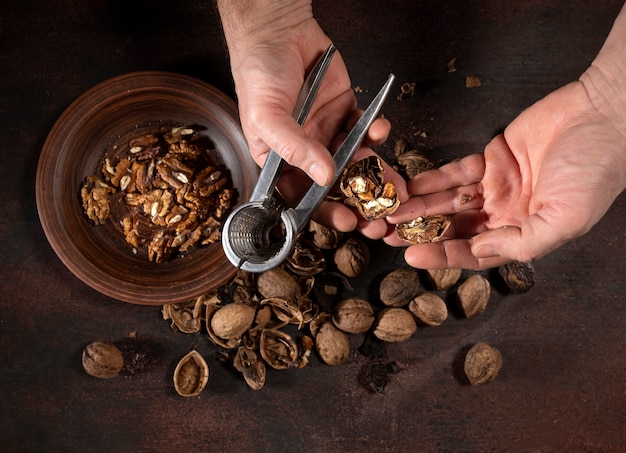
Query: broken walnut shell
251	367
191	374
102	359
422	229
278	349
483	363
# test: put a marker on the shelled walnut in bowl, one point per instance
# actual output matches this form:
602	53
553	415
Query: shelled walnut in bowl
164	191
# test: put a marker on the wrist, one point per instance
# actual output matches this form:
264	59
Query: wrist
247	23
605	79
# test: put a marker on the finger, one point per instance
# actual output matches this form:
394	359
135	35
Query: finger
336	215
463	172
389	173
450	201
372	229
533	239
452	254
378	131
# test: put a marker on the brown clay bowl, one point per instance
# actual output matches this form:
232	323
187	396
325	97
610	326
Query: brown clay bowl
109	115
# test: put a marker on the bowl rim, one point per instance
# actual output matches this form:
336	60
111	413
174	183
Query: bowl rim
47	194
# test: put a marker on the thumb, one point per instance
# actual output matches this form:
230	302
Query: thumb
532	240
291	142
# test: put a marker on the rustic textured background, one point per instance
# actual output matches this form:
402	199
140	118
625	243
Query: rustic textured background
562	387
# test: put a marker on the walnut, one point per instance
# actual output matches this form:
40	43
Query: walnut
423	229
102	359
414	163
277	282
333	345
353	315
399	287
483	363
362	184
191	375
519	277
473	295
429	308
442	279
232	320
394	324
352	257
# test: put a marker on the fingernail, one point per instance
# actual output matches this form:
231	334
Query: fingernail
486	251
318	174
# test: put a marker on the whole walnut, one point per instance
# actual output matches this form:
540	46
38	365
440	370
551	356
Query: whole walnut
102	359
277	282
352	257
394	324
353	315
442	279
333	345
518	276
482	363
399	287
429	309
473	295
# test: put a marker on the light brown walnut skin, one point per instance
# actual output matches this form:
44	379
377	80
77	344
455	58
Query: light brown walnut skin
353	315
399	287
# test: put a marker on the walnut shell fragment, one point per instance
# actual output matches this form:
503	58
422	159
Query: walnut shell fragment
422	229
278	349
362	184
473	295
191	374
102	359
251	367
483	363
399	287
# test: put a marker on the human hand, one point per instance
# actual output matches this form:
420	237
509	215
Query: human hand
548	179
273	45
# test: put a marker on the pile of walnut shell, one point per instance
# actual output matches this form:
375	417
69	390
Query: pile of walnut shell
278	318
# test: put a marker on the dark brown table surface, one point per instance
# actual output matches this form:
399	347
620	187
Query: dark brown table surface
562	387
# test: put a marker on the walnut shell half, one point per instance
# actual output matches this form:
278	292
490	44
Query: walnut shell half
191	374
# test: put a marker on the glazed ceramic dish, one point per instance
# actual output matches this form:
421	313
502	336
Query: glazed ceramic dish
103	119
